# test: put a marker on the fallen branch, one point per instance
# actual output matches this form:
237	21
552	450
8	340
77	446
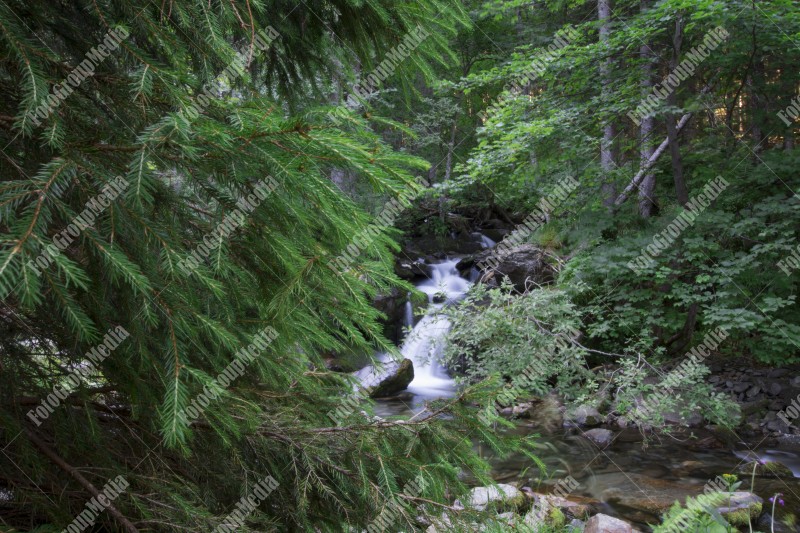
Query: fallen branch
85	483
645	169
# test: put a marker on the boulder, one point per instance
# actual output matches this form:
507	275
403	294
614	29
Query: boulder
741	508
586	415
502	497
393	306
602	523
523	265
389	380
601	437
768	469
411	270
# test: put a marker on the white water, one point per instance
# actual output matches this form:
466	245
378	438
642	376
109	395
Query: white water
486	242
424	345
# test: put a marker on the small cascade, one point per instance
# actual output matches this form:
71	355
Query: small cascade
486	242
424	344
409	314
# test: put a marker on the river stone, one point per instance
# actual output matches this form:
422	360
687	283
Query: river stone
394	378
642	493
741	507
602	523
770	469
601	437
586	415
503	497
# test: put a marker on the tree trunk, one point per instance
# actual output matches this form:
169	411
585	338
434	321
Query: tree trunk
608	188
681	193
648	186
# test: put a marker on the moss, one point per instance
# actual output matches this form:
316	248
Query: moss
742	517
556	518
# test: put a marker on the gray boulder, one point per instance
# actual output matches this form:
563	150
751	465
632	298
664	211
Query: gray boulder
389	380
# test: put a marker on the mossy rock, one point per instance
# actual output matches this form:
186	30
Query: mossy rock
741	508
501	498
770	469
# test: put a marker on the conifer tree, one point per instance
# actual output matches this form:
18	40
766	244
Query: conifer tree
165	204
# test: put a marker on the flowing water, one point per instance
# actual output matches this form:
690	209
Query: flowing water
619	480
423	345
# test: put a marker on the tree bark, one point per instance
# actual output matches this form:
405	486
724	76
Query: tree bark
681	192
648	186
608	188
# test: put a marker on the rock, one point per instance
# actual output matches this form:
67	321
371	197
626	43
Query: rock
544	515
601	437
523	410
570	508
524	265
642	493
393	306
411	270
496	235
503	497
602	523
769	469
765	524
777	373
694	419
778	426
577	525
774	389
586	415
741	387
741	507
753	391
393	378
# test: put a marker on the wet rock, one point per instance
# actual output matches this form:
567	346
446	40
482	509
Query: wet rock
602	523
524	265
586	415
770	469
601	437
642	493
392	305
393	378
503	497
411	270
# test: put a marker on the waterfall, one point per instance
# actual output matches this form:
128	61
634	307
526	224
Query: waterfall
409	313
486	242
424	344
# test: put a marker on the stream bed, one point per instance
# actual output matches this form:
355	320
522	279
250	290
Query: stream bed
628	479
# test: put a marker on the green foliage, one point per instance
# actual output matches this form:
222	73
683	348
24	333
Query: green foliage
497	332
725	265
698	515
